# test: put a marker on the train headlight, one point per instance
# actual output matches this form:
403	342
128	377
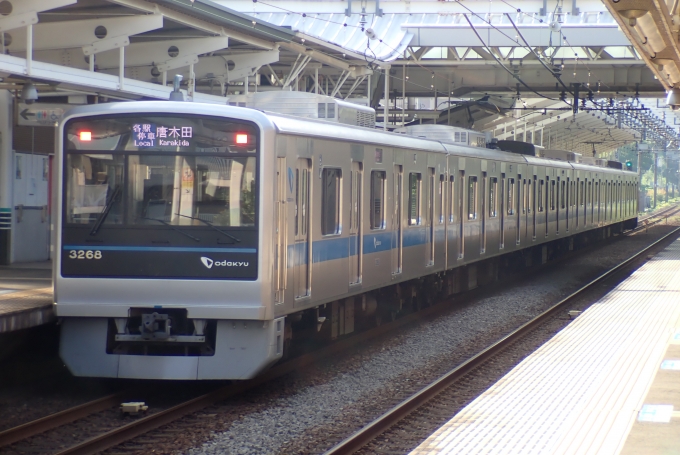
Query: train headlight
241	139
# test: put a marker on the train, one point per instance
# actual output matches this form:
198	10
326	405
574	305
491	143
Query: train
196	241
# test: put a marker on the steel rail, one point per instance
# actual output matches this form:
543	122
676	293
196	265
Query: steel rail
156	420
58	419
368	433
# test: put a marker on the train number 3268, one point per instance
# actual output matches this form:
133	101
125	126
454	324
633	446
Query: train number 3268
82	254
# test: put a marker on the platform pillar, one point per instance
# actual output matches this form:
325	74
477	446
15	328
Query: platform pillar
6	173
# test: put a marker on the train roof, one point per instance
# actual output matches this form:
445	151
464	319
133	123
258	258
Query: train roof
324	129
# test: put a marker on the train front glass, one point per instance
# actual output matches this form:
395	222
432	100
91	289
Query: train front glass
160	196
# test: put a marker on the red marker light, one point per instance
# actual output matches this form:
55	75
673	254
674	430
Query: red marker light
85	135
241	138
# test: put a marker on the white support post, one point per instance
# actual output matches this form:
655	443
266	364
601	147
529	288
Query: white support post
191	86
368	91
316	80
386	111
164	78
29	48
245	85
403	95
121	68
91	62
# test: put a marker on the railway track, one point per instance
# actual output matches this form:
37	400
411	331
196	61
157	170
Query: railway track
425	396
145	424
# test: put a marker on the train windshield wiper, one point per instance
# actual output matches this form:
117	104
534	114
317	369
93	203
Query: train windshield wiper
211	225
105	212
173	228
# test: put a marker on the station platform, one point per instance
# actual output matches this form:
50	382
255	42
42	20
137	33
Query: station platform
26	296
608	383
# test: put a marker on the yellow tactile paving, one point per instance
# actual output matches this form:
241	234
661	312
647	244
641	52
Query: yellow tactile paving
581	392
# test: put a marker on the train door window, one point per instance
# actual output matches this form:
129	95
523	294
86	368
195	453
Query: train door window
596	199
563	194
552	195
442	199
378	180
414	189
397	256
520	206
511	197
430	212
532	207
331	180
461	218
355	198
501	198
451	197
493	195
355	225
541	189
548	187
525	196
472	197
482	247
529	196
301	201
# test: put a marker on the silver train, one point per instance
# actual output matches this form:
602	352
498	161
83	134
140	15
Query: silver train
195	241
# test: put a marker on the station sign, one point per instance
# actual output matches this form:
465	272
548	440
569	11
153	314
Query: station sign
40	114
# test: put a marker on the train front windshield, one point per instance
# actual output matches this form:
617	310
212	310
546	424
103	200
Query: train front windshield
149	188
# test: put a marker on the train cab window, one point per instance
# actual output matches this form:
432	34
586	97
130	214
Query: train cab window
378	180
493	203
442	198
541	188
472	197
414	189
511	197
331	180
451	198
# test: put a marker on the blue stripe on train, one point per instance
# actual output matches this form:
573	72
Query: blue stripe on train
342	247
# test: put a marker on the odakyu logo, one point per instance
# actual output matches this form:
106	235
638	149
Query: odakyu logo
209	263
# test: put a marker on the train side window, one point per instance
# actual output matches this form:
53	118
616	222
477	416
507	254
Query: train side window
472	197
414	189
451	198
511	197
331	179
378	180
442	198
541	185
493	203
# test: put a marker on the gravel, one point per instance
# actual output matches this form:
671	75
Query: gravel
311	411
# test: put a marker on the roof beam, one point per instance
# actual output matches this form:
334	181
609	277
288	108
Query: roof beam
154	8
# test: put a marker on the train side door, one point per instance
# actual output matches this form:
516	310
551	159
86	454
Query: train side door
397	233
281	252
301	227
355	247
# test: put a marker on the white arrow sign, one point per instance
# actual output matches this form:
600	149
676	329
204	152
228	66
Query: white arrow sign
40	114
